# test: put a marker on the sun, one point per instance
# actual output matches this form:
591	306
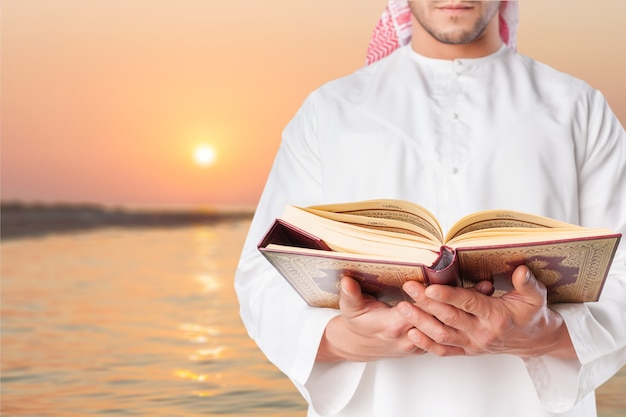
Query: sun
204	155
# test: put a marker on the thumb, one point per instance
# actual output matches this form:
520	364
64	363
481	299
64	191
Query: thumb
528	286
351	298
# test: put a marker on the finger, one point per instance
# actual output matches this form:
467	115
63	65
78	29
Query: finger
525	283
469	301
351	298
407	347
416	317
431	328
424	344
484	287
415	290
439	311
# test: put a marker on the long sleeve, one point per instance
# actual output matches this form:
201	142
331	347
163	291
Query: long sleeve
597	330
284	327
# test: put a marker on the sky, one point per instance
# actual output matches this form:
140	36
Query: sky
105	101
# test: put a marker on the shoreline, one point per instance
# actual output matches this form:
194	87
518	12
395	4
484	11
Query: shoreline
18	220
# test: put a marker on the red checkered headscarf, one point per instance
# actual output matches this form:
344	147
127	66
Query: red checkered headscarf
394	28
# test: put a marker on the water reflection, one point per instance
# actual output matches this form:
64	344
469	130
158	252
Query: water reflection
132	322
140	322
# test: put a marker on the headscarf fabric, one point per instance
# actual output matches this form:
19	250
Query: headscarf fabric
394	28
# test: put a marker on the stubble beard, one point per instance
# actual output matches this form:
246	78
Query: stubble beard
456	36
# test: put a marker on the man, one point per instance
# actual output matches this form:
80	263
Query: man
457	122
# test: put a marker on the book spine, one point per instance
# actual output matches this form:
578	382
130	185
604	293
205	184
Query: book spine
445	270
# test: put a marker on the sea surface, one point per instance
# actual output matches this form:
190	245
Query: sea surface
142	322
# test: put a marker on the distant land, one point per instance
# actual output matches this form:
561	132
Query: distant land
19	219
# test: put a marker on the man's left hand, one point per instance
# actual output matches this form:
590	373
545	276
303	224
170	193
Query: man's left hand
451	321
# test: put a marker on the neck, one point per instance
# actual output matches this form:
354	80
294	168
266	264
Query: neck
426	45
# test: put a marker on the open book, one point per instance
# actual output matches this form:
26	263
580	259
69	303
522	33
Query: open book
383	243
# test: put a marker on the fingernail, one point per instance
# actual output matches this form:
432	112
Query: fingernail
342	289
529	275
432	293
409	288
404	310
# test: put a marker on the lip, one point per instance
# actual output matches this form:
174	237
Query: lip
454	7
454	10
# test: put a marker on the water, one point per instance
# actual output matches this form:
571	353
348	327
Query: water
144	322
126	322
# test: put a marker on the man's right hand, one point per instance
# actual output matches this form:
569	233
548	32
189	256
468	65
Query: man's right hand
366	329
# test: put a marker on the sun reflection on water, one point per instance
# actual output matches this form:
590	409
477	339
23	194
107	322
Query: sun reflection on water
209	283
140	322
130	322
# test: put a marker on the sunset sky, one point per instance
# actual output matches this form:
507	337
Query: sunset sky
105	101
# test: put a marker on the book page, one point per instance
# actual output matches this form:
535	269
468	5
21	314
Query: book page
522	235
418	257
393	215
503	219
351	238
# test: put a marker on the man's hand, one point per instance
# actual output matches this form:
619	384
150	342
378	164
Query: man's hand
366	330
456	321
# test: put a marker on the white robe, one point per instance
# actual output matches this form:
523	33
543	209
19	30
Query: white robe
503	131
